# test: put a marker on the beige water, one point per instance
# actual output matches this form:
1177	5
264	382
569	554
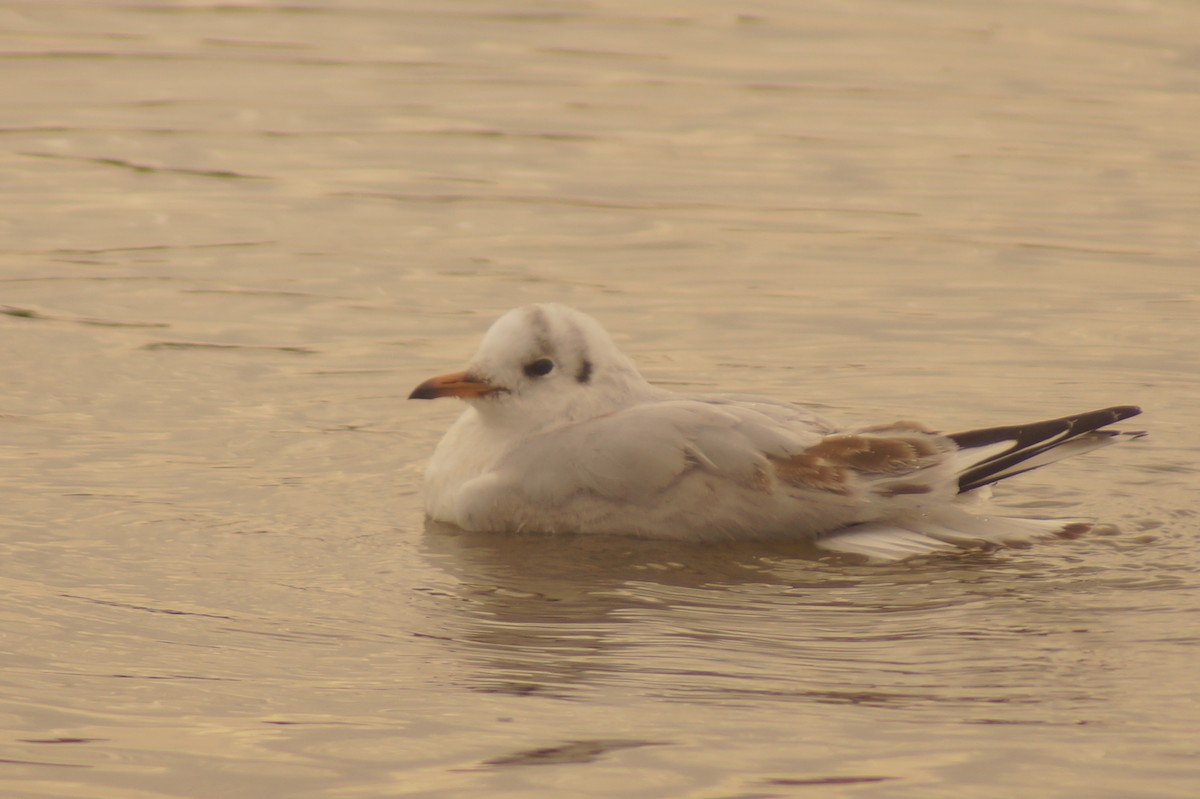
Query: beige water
236	235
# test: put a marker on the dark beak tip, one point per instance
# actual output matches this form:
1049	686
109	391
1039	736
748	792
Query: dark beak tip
458	384
423	392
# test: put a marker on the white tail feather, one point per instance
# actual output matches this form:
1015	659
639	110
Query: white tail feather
945	530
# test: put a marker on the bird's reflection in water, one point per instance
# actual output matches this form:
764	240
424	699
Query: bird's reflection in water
557	615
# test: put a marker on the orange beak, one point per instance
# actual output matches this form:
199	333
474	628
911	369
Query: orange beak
458	384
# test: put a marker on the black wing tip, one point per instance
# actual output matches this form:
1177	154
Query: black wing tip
1120	412
1023	434
1093	421
1030	440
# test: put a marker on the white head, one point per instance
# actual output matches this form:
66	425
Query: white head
544	364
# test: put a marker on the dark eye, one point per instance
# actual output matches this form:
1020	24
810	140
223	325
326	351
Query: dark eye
539	368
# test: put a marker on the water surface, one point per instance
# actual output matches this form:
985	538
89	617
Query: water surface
236	235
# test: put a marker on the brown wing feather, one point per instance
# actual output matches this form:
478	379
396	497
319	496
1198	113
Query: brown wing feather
830	464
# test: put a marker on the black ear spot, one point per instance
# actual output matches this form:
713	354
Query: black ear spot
585	372
539	368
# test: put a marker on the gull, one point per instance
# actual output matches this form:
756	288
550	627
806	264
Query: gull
562	434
